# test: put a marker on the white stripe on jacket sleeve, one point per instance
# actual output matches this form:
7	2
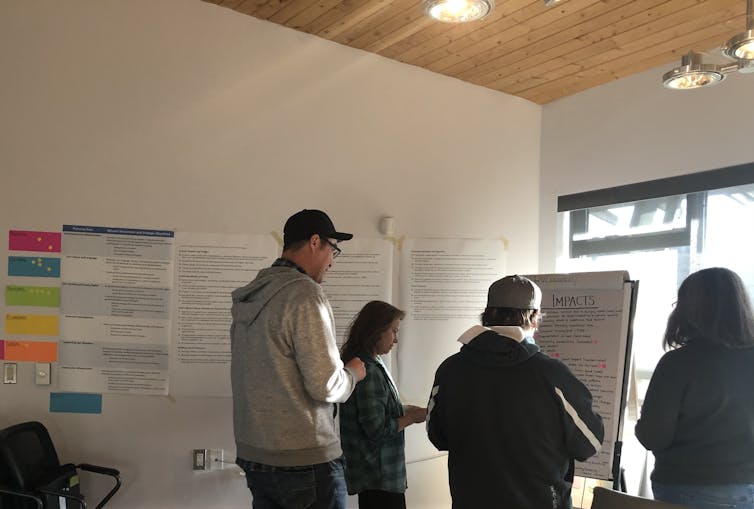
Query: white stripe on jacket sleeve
581	425
431	405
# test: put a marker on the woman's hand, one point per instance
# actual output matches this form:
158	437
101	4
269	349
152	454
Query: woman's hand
411	415
416	414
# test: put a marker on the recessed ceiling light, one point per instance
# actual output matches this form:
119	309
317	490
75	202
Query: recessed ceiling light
458	11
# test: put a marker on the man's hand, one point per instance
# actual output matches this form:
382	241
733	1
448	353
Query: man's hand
358	367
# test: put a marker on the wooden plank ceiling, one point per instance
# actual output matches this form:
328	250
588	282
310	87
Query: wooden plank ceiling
523	48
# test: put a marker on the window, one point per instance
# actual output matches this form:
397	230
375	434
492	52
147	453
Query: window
659	241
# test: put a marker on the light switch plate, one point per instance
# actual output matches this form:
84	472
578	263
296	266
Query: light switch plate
42	374
199	459
10	372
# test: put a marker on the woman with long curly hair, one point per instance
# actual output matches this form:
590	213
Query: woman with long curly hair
698	414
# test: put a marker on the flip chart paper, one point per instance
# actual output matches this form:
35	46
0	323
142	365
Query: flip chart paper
362	273
208	267
116	310
586	327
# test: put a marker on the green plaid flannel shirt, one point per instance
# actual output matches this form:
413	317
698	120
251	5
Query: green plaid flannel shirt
372	444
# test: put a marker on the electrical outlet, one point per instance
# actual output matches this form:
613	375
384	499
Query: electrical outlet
200	459
216	459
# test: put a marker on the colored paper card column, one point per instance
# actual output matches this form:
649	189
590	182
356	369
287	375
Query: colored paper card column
38	325
31	351
38	242
43	296
2	349
75	403
32	266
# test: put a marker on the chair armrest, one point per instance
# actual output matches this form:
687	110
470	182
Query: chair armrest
99	470
115	474
20	493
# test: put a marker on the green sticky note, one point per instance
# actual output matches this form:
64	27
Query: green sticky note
46	296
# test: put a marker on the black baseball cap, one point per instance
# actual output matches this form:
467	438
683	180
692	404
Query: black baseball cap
302	225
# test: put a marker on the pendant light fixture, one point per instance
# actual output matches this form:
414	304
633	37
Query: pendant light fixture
741	46
694	74
458	11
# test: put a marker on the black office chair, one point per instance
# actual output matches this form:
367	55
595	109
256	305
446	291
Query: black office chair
32	467
11	498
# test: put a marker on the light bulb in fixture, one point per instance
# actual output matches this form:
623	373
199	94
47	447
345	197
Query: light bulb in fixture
692	74
458	11
740	46
550	3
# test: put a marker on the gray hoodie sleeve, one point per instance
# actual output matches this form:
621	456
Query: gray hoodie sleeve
312	330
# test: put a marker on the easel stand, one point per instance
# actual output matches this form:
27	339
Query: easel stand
619	480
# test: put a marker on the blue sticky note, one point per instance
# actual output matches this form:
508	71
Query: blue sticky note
33	266
75	403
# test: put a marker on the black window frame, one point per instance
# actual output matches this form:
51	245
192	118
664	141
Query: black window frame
693	187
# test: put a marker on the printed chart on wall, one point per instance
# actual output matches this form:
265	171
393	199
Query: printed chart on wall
443	288
209	267
587	325
362	273
116	294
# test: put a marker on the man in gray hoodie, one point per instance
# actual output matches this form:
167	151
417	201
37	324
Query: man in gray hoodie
286	374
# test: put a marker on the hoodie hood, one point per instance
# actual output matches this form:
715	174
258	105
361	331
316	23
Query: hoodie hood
489	347
249	300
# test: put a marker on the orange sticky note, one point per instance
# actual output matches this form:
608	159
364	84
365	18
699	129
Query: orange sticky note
38	325
31	351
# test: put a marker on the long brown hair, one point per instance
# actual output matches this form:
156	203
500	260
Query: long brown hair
713	308
365	330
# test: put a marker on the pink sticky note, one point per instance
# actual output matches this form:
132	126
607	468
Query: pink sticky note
38	242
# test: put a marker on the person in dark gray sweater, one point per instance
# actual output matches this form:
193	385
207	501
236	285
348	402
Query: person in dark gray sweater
698	413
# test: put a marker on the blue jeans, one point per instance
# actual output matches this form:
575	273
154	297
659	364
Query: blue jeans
321	486
717	496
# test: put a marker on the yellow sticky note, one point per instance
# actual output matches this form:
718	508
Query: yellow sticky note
39	325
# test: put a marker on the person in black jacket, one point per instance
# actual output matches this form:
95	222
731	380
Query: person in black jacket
512	419
698	414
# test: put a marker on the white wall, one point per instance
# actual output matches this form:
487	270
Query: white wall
181	114
634	130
